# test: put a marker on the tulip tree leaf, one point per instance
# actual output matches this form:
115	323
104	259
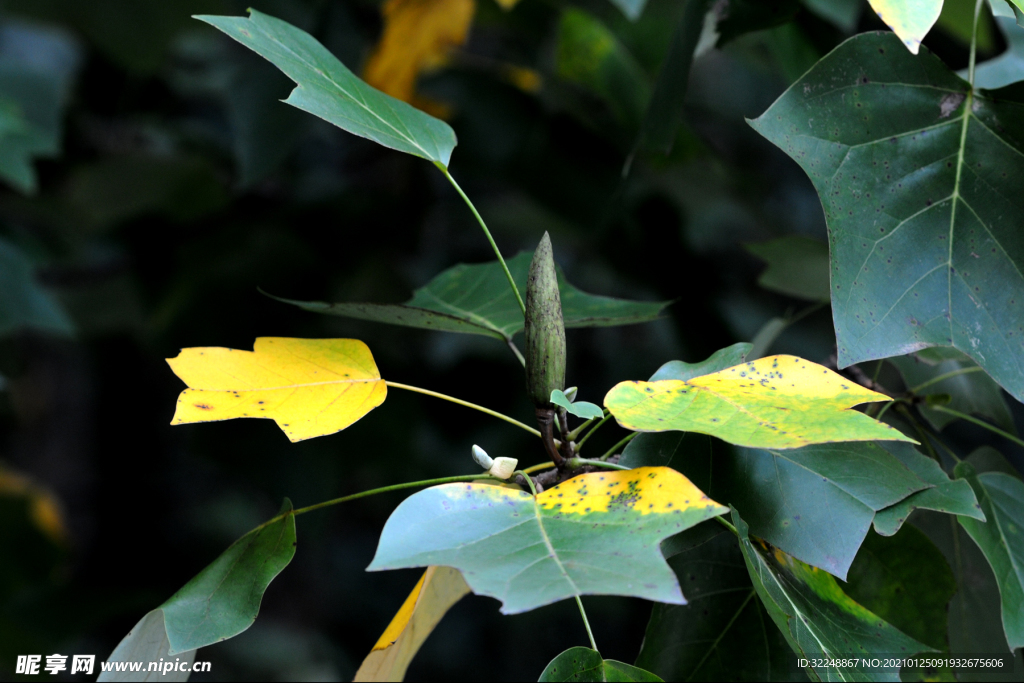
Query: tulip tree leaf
1008	67
723	632
583	409
953	497
817	619
590	535
219	602
719	360
773	402
905	580
815	503
327	89
476	299
909	19
1001	539
146	642
309	387
917	175
970	389
23	301
584	664
434	594
797	267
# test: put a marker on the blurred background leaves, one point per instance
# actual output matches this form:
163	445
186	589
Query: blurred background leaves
152	181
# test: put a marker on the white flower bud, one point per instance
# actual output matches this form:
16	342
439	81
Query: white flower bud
570	394
481	458
503	467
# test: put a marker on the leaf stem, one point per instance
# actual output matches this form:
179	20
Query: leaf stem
529	482
945	376
925	441
573	463
980	423
586	622
728	526
537	468
611	451
974	43
593	429
487	233
385	489
466	404
515	350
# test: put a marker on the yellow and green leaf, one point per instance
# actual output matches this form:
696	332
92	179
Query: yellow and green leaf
590	535
773	402
910	20
309	387
434	594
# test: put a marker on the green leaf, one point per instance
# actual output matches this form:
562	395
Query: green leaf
953	497
147	642
590	535
818	620
1001	539
590	56
773	402
1008	67
842	13
631	8
723	632
957	20
905	580
665	109
326	88
476	299
588	411
31	104
918	178
23	302
973	392
720	360
222	600
909	19
797	266
652	450
584	664
815	503
975	626
747	16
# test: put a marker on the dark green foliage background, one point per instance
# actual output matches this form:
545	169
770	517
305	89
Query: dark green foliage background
183	186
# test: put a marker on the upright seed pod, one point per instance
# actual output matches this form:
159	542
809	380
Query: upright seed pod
545	329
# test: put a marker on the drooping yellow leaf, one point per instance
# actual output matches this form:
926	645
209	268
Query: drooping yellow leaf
310	387
773	402
418	35
43	507
909	19
437	590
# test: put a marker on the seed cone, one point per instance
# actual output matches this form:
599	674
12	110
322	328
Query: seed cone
545	329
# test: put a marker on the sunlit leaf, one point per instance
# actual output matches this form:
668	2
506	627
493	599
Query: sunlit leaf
147	642
1008	67
591	535
1001	539
773	402
906	581
909	19
584	664
309	387
434	594
723	632
326	88
590	56
418	35
917	178
815	503
971	391
953	497
797	266
218	603
818	620
476	299
23	301
587	411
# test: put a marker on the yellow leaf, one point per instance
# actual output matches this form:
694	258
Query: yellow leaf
310	387
437	590
418	34
507	4
774	402
910	20
44	509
